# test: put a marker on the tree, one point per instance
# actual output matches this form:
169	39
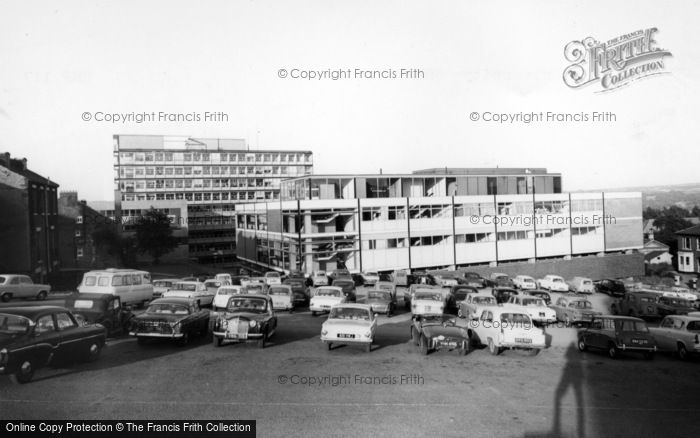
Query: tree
107	240
154	235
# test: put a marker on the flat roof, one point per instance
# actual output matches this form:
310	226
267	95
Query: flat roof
485	172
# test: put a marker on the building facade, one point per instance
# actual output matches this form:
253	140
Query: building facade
28	220
209	175
689	250
435	228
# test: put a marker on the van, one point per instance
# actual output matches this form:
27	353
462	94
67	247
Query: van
401	278
133	287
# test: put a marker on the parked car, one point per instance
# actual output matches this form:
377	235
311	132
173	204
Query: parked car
282	297
458	294
103	309
254	287
411	290
614	288
498	279
428	302
224	278
222	296
503	294
444	280
401	278
238	280
636	303
193	290
673	305
440	332
616	334
381	301
524	282
574	310
247	318
163	285
340	274
37	336
272	277
581	285
474	304
504	327
214	285
678	334
21	286
348	287
386	286
535	308
422	278
299	289
541	294
349	324
319	278
172	318
553	283
474	279
132	286
369	278
325	297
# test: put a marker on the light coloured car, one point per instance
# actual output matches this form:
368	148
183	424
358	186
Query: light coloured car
369	278
193	290
224	277
444	280
507	327
524	282
574	310
679	334
349	324
553	283
272	277
214	285
386	286
21	286
581	285
381	301
282	297
163	285
325	297
474	305
427	302
535	307
223	294
319	278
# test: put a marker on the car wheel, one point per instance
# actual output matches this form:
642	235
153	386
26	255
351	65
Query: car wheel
184	340
464	349
368	347
424	346
533	352
330	346
682	352
6	297
218	342
25	373
261	341
648	355
414	336
41	296
460	313
581	345
613	351
567	321
93	352
495	351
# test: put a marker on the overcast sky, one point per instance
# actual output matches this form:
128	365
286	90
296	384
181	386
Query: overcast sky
61	59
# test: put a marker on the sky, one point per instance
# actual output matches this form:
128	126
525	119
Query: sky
60	60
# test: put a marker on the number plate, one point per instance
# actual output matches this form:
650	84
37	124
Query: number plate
639	341
346	335
523	340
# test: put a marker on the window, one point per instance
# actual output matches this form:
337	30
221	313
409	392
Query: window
65	321
79	220
45	324
79	253
78	233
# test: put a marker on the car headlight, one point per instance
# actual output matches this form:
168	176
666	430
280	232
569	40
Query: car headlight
176	327
3	356
441	338
253	323
368	334
324	332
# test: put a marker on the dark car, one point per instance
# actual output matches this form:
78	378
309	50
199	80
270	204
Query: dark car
473	279
37	336
458	294
381	301
616	334
503	294
501	281
439	332
421	278
175	319
299	290
348	287
104	309
539	293
614	288
237	279
248	318
340	274
673	306
298	275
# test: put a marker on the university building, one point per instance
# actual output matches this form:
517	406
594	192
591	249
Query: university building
434	218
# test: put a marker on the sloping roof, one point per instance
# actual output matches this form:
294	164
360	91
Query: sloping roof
692	231
654	254
648	226
655	244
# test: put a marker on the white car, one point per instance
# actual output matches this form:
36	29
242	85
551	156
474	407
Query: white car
581	285
445	281
369	278
524	282
679	334
163	285
194	290
282	297
21	286
319	278
553	283
272	277
475	304
535	307
224	277
349	324
325	297
427	302
223	294
507	327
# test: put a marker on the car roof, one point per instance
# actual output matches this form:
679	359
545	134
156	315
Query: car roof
265	297
353	306
619	318
31	311
330	287
280	286
172	300
91	296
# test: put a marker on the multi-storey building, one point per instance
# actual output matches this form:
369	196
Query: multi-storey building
209	176
432	219
689	250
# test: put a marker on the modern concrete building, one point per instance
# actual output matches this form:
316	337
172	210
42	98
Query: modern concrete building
434	219
209	175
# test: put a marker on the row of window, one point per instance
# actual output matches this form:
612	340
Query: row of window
152	184
220	156
202	197
133	172
687	243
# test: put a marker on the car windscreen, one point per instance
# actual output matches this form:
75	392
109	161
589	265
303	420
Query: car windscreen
3	280
13	324
484	300
327	293
247	304
693	326
185	286
461	295
161	283
87	304
272	275
344	284
581	304
212	283
634	326
533	302
279	291
349	313
89	280
377	295
227	291
557	280
515	318
167	309
428	296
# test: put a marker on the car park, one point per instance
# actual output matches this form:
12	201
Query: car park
498	279
325	297
426	301
247	318
319	278
170	318
503	294
222	296
440	332
348	287
617	334
474	304
381	301
103	309
553	283
458	294
679	334
369	278
193	290
614	288
282	297
353	324
474	279
133	287
581	285
539	293
574	310
163	285
38	336
386	286
524	282
21	286
272	277
535	308
505	327
636	303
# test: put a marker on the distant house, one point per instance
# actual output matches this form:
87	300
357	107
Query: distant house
658	257
689	249
654	245
648	229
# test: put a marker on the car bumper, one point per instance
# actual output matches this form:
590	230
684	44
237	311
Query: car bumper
521	345
318	308
625	347
360	340
238	336
157	335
